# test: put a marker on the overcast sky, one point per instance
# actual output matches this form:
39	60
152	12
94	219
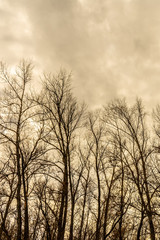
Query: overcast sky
112	47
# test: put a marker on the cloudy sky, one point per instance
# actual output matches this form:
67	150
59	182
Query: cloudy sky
112	47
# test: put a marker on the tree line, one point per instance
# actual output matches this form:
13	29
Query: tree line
69	173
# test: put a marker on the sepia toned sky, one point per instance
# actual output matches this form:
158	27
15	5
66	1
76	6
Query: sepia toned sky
112	47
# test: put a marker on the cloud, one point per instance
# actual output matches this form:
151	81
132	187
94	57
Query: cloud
111	46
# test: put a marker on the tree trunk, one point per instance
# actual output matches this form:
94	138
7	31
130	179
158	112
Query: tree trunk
19	217
106	214
83	211
72	219
63	207
140	225
26	217
152	231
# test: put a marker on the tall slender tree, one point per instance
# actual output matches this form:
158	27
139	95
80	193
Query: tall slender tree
62	116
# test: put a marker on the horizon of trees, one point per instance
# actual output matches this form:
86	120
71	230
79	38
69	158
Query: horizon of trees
69	173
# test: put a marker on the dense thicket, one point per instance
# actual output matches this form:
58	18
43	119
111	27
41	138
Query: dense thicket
67	173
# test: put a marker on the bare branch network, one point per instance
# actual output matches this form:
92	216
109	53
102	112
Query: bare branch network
67	173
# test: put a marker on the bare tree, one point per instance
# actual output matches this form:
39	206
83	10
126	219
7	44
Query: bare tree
68	175
98	150
129	123
17	129
62	116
